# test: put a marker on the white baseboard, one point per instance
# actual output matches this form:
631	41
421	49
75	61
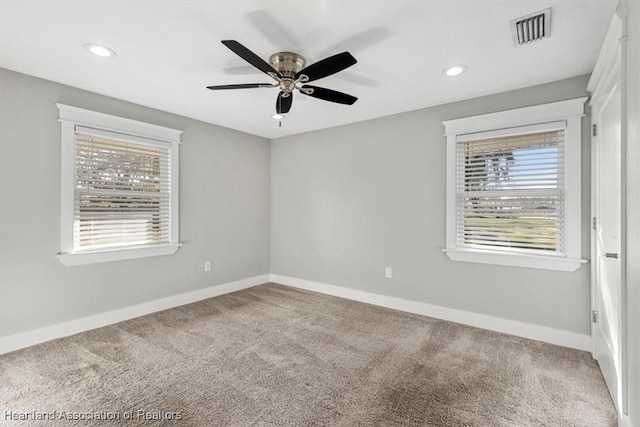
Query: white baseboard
36	336
624	421
511	327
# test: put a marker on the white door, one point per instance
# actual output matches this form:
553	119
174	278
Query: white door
607	301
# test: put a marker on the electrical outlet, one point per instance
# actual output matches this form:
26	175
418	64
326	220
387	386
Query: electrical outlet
388	272
207	266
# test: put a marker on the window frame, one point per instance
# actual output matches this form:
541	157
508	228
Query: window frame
571	112
70	117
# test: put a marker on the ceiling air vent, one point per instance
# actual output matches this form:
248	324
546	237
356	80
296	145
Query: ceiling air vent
532	27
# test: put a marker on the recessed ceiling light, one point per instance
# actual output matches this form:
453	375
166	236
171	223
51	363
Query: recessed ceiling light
454	70
102	51
278	116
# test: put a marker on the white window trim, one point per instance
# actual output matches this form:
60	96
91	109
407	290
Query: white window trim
70	117
570	111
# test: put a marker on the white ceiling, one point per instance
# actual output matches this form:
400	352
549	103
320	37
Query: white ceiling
168	51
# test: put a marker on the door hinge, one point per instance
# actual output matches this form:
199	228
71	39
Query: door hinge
594	316
594	130
594	223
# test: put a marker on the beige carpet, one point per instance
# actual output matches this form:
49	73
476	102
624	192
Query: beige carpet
276	356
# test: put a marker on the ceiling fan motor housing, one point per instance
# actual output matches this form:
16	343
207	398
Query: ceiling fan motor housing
287	63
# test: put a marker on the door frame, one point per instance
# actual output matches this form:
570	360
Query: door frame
614	46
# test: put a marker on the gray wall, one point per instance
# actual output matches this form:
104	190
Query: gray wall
345	203
224	212
348	201
633	207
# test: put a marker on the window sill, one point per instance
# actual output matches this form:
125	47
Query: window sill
515	260
117	254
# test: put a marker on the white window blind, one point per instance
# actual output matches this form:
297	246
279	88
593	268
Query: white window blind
122	191
510	192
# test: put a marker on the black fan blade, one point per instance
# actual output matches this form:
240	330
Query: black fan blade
329	95
241	86
250	57
327	66
283	104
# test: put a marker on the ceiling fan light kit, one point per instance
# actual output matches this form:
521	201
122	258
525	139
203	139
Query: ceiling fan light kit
290	73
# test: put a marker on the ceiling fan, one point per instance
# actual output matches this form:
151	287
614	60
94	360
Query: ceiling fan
289	72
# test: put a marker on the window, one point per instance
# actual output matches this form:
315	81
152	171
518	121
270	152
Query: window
510	192
513	187
119	188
